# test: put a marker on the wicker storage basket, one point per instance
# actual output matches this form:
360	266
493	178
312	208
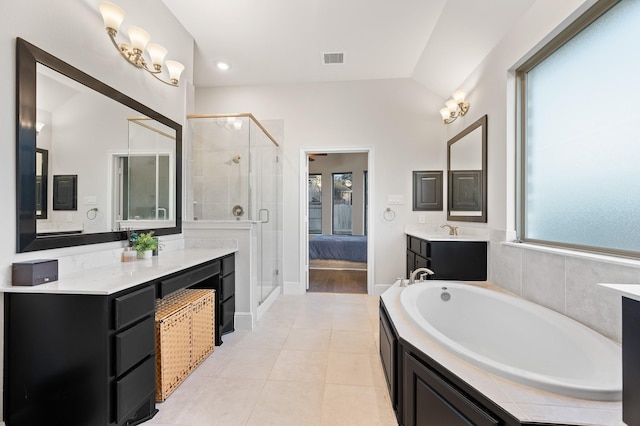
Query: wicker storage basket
184	337
202	328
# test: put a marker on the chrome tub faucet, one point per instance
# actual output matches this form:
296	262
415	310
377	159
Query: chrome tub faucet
422	272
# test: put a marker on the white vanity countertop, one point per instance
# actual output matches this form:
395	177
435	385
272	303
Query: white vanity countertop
116	277
524	403
443	237
632	291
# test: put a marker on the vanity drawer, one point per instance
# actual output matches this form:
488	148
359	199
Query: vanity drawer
227	286
134	388
133	306
204	273
228	265
171	285
134	344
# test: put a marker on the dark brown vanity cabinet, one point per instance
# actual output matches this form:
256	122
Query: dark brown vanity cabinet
79	359
224	283
430	400
389	356
449	260
630	361
88	359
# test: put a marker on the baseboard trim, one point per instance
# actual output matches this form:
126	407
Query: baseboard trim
293	288
244	321
264	307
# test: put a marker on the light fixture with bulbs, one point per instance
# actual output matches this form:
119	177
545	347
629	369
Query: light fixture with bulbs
455	107
139	43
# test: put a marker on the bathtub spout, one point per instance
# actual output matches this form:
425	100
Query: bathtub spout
426	271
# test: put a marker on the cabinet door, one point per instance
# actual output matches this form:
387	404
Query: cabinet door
429	400
459	260
630	356
411	262
421	262
388	350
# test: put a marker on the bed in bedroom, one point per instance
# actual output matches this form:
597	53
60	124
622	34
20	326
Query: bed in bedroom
351	248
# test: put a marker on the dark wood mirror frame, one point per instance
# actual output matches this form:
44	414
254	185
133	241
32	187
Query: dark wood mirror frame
27	56
480	123
42	193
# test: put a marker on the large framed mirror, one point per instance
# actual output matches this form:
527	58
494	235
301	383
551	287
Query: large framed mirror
467	174
126	156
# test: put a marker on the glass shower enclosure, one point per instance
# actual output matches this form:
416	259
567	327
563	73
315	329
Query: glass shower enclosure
237	176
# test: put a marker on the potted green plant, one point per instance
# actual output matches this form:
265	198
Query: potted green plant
144	244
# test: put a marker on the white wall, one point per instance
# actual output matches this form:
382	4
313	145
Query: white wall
561	280
398	119
73	31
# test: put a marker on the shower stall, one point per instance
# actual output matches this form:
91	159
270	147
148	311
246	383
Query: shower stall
235	187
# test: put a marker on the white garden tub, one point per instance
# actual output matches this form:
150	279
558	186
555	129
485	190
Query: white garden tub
517	339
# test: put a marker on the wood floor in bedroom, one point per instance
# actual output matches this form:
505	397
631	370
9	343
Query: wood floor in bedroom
338	281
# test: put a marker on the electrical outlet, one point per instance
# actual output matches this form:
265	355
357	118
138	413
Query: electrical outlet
421	218
69	217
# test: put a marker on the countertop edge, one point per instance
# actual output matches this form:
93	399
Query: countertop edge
116	277
447	238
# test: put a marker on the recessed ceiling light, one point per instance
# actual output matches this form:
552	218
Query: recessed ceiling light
223	66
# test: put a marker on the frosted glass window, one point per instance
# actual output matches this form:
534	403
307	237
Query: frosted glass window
581	123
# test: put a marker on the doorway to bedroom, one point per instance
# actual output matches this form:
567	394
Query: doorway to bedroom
337	201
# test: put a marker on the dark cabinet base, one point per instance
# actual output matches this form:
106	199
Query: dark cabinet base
449	260
630	361
82	359
430	400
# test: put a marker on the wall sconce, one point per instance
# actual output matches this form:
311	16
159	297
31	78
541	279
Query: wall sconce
139	39
39	126
454	108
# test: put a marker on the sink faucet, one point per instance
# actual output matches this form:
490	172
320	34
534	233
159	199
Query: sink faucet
453	230
424	271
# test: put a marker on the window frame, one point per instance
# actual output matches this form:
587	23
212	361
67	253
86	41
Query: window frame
309	178
333	205
584	20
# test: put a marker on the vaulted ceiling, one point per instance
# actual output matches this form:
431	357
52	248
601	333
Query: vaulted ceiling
435	42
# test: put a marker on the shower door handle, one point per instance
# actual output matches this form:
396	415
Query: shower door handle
260	215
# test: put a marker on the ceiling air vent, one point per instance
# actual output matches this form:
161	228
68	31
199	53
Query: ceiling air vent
332	58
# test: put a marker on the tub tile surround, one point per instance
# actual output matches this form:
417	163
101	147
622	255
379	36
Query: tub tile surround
565	282
523	402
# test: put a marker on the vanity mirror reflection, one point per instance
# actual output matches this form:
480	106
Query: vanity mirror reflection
127	158
467	174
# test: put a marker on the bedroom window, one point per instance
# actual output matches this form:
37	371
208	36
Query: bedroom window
315	204
342	203
578	130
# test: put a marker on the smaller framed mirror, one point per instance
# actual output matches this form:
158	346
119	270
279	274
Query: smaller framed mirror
467	174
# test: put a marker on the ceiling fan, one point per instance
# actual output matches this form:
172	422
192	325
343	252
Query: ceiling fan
310	156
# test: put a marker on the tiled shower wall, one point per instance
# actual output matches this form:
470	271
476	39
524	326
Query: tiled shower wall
565	283
219	183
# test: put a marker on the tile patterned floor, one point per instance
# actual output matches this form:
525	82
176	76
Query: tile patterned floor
313	360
